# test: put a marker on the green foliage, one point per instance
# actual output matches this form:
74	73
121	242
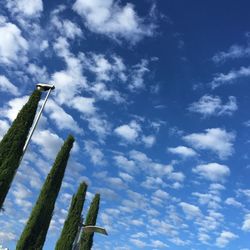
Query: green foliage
11	146
34	233
86	241
73	220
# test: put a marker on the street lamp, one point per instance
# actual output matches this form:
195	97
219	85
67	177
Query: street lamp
41	87
94	229
86	229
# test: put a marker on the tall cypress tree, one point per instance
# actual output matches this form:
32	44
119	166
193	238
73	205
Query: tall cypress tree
11	146
86	241
73	220
34	233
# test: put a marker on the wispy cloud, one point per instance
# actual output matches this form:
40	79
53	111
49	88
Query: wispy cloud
234	52
230	77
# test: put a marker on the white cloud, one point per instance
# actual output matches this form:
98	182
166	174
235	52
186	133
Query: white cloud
21	193
137	75
3	248
149	140
37	73
27	8
48	142
232	202
128	132
161	194
246	223
95	154
212	171
212	105
215	139
138	243
224	239
212	198
126	177
234	52
65	27
101	67
68	82
183	151
84	105
99	125
230	77
13	107
106	68
102	92
7	236
124	163
13	46
4	126
152	182
190	210
112	19
7	86
62	119
245	192
157	244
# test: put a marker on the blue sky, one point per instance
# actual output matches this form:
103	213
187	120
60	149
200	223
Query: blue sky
157	95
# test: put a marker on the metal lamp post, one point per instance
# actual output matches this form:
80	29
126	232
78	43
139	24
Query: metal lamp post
41	87
86	229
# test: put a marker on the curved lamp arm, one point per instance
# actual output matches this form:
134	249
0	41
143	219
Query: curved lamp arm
94	229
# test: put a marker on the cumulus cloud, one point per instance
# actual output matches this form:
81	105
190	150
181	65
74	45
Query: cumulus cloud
7	86
70	79
95	153
62	119
102	92
149	140
224	239
128	132
84	105
65	27
4	125
125	163
28	8
232	202
190	210
212	171
49	143
113	20
212	198
217	140
182	151
157	244
13	46
7	236
12	108
106	69
212	105
126	177
246	223
138	243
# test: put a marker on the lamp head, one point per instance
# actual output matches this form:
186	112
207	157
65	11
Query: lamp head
45	86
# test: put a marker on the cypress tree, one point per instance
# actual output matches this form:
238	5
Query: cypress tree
73	220
11	146
86	241
34	233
